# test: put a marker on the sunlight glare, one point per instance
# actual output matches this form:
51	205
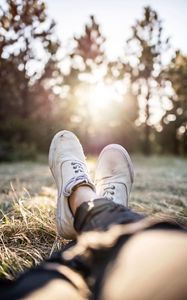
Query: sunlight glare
102	95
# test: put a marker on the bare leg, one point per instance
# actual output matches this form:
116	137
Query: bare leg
152	265
81	194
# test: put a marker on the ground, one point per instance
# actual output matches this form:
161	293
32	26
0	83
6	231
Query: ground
28	197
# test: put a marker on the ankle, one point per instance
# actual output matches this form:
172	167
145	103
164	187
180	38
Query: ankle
82	193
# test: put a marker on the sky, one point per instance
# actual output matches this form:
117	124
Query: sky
116	18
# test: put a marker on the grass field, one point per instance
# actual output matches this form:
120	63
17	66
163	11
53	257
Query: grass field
28	198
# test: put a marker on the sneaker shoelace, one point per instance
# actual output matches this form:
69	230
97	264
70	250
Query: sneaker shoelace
109	192
78	167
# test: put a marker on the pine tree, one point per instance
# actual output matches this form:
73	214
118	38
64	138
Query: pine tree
174	121
89	46
144	62
86	57
28	47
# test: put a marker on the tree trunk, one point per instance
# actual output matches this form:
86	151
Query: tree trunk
176	141
176	145
185	143
147	145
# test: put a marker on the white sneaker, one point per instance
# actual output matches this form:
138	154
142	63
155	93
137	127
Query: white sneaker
68	166
114	174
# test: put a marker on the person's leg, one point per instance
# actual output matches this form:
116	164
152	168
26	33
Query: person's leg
81	194
48	281
113	181
98	212
151	265
68	166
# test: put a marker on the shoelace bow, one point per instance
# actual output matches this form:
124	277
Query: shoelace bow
109	192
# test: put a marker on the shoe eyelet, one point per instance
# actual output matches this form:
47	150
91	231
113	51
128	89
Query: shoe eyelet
113	187
76	171
112	193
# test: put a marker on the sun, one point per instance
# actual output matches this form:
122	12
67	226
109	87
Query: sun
101	95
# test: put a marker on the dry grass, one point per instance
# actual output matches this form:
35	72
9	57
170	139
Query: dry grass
28	232
160	187
28	197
